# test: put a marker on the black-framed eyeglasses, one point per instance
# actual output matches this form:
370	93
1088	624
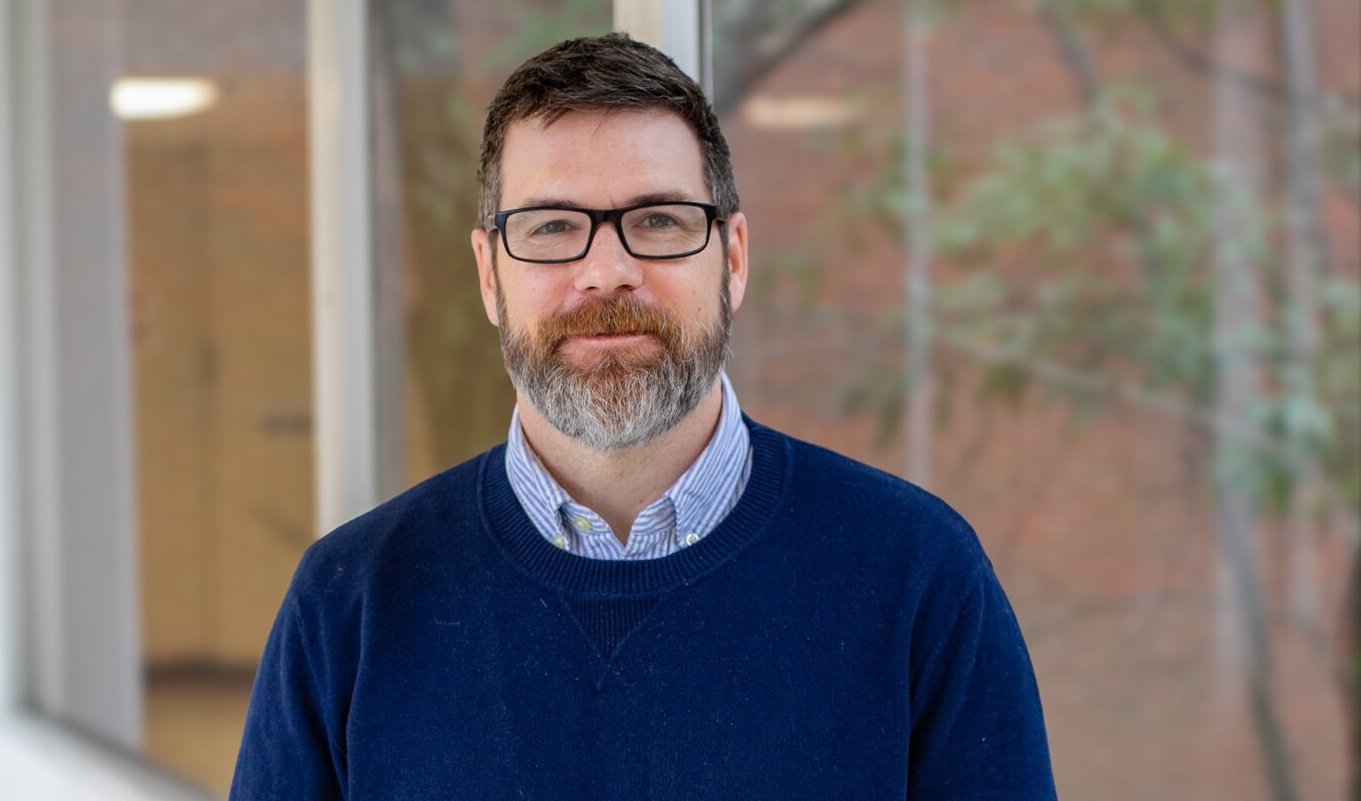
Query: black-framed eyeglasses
555	234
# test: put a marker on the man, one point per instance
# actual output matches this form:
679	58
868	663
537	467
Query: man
643	594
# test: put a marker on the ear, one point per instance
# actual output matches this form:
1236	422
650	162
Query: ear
484	252
737	258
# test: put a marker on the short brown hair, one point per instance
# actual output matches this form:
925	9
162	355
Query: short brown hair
605	73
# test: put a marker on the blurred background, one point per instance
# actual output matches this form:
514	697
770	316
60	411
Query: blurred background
1088	269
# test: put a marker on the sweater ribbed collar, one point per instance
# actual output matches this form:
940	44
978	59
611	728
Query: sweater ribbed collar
517	537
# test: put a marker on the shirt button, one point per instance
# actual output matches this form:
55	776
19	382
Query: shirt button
561	541
581	523
691	538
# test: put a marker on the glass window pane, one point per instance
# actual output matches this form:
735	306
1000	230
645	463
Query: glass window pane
1140	306
214	112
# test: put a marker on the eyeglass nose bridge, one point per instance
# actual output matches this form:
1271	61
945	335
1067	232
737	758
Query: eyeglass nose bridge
599	216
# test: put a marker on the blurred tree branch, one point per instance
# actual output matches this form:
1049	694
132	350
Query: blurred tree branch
754	36
1071	50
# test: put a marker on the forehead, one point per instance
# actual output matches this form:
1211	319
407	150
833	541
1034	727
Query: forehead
601	160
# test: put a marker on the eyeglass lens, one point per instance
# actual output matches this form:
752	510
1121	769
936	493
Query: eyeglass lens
650	232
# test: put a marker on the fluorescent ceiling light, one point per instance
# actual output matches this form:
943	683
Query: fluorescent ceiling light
799	112
161	98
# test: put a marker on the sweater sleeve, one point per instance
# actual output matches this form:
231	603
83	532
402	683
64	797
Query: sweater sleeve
291	749
977	725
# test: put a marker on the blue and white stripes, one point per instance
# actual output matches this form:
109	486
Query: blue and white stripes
689	510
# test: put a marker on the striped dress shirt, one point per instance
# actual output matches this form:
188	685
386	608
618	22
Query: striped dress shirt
682	516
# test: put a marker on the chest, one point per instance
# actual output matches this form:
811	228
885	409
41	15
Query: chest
706	692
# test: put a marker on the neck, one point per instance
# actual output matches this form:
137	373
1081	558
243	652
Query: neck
619	484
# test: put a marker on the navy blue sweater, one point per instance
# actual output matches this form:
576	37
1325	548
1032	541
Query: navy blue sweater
840	635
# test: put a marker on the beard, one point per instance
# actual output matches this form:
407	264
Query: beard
624	396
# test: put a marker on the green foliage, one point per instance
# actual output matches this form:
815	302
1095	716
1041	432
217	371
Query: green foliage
1087	245
1096	234
1341	124
1092	233
1174	16
1338	372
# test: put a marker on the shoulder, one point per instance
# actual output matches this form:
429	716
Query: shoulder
830	483
846	507
423	524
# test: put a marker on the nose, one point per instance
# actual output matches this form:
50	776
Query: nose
607	266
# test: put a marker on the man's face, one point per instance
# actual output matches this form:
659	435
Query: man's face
610	349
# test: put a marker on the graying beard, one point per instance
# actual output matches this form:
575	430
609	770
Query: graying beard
650	402
629	409
643	404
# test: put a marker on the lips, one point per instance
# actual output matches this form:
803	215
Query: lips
621	339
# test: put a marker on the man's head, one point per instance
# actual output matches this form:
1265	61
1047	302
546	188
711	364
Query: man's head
607	73
611	348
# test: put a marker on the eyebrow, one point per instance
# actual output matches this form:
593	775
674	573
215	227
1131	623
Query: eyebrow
636	200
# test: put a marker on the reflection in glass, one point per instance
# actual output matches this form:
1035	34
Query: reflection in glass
214	109
160	98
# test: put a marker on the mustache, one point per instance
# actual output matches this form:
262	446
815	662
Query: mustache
623	314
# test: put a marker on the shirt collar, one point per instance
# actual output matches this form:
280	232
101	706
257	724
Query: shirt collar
686	512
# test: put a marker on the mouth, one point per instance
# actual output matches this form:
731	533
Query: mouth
611	338
603	341
615	334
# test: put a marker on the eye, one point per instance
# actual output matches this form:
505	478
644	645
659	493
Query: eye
550	227
656	220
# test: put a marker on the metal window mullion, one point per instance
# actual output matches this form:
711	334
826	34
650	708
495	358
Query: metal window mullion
343	312
37	398
74	506
11	602
678	28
